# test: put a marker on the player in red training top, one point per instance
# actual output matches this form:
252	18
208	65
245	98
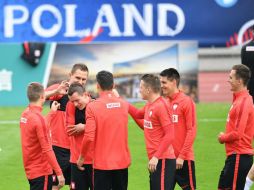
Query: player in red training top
106	133
38	156
60	139
75	115
184	120
239	132
159	133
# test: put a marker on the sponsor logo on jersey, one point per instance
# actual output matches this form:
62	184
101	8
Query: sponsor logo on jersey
23	120
148	124
113	105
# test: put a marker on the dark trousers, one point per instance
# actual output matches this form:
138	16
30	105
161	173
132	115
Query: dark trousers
111	179
185	177
81	180
41	183
234	173
164	175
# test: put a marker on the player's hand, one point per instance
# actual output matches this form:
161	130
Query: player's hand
63	88
179	163
61	181
219	137
55	105
115	92
75	129
80	163
153	164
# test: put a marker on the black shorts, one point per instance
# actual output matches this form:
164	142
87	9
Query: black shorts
234	173
81	179
111	179
63	159
164	175
185	177
41	183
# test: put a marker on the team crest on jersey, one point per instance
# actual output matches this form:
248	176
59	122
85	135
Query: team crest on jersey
150	113
175	106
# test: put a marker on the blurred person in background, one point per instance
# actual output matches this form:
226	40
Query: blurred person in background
239	132
60	138
247	57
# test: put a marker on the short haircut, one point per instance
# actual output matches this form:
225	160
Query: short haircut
76	87
242	72
34	91
105	79
171	74
152	81
79	66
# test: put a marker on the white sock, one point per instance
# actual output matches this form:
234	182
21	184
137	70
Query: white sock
248	183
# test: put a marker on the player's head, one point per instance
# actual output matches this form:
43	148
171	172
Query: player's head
170	79
78	96
35	93
149	85
239	77
79	73
105	80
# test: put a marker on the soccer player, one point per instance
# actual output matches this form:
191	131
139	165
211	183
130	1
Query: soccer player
159	133
60	139
106	133
38	156
184	119
239	132
75	115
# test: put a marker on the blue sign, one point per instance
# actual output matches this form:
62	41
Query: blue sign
212	23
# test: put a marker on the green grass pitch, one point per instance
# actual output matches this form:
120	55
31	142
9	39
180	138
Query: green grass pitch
210	155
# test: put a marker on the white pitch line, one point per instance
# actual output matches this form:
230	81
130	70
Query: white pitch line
9	122
211	119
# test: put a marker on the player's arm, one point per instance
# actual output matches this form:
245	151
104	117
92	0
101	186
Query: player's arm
52	113
89	136
71	128
56	91
239	128
189	113
164	118
40	128
137	115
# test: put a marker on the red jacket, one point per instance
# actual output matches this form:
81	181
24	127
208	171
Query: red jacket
158	128
76	140
38	156
107	132
57	123
240	125
185	123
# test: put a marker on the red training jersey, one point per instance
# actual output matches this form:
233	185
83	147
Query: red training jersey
239	128
185	124
57	123
107	131
38	156
158	128
76	139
